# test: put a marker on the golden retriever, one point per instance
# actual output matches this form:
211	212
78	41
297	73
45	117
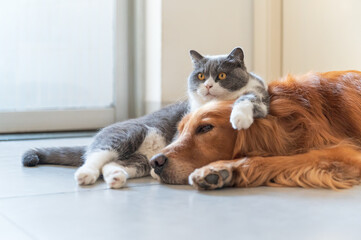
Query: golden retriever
311	138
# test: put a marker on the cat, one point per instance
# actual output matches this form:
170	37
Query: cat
122	150
225	77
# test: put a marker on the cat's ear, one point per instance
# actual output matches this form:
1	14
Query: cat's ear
237	54
196	56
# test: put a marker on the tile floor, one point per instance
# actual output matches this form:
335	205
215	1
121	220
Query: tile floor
44	203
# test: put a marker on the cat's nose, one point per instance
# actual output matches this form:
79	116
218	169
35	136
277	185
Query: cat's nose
158	162
209	86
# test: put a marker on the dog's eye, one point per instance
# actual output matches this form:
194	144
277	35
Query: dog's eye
204	128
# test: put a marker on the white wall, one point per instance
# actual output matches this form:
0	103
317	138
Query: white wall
321	35
208	26
153	55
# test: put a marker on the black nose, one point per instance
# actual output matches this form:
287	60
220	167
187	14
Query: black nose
158	162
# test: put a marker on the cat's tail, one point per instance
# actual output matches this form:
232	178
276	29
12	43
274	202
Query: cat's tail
69	156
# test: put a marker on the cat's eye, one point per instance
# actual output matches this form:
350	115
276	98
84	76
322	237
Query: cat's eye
222	76
201	76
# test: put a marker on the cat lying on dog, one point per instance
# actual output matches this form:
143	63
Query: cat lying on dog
122	150
310	138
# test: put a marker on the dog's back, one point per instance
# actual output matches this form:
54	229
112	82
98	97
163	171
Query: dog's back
322	107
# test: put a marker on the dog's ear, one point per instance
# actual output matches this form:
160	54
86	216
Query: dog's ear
238	150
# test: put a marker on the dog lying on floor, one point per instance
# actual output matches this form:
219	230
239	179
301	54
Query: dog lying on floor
311	138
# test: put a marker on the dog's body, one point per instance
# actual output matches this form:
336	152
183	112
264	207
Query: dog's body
311	138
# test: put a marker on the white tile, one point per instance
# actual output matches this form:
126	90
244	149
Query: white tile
179	212
9	231
45	203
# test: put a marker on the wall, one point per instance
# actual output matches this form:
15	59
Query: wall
208	26
153	55
321	35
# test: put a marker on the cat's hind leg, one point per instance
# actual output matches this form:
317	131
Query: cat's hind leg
94	161
116	173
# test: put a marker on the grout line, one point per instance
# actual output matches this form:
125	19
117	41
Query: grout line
68	192
48	194
18	226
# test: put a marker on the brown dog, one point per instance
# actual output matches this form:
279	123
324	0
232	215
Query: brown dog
311	138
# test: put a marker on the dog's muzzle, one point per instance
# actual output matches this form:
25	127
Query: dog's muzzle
157	162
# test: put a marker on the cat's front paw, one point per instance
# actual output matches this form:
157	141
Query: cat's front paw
86	175
242	115
241	121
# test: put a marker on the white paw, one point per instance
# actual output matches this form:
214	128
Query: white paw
116	179
240	120
86	175
154	175
242	115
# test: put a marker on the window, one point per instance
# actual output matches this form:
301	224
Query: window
57	64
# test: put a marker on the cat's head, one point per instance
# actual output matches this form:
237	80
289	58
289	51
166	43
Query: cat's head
217	77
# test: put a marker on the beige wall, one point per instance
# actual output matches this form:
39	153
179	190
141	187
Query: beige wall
321	35
291	36
208	26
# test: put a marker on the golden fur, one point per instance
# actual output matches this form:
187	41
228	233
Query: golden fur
311	138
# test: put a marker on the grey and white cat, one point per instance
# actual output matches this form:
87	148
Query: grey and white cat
226	78
122	150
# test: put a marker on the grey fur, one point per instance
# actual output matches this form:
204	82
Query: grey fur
258	111
258	79
233	65
137	161
123	137
259	97
70	156
196	57
237	78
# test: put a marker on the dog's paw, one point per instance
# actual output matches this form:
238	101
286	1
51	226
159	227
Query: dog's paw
242	115
154	175
116	179
86	176
210	177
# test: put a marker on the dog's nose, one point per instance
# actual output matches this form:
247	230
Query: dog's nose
157	162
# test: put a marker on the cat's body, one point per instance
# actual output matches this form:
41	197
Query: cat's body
119	151
122	150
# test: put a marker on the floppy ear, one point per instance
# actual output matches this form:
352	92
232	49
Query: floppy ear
196	56
237	149
237	54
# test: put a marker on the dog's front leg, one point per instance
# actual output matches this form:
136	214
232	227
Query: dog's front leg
215	175
334	167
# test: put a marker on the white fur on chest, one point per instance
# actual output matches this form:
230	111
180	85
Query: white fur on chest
153	143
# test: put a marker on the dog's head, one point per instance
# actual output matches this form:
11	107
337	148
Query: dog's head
205	136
